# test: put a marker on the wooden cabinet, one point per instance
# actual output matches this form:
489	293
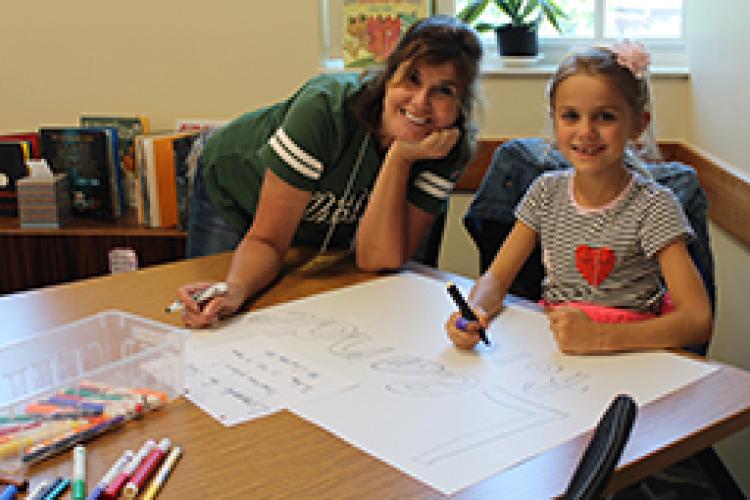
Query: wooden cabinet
33	258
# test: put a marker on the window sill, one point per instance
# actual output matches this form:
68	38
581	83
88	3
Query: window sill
492	67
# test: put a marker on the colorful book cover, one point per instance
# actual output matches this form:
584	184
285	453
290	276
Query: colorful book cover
128	127
86	155
13	156
161	190
198	125
31	137
182	147
372	29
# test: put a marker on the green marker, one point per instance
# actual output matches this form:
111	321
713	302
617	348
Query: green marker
79	472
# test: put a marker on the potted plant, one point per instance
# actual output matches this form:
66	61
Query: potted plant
519	36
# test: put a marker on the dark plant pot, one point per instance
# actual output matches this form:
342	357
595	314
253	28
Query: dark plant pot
517	40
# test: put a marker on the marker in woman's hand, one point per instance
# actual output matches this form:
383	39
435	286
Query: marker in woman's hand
466	311
200	297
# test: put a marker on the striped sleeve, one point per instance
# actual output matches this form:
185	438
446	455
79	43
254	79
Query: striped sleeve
432	184
294	156
300	148
664	221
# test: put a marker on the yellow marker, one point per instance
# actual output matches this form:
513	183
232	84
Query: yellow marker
161	476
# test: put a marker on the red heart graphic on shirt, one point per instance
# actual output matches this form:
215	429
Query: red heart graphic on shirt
595	264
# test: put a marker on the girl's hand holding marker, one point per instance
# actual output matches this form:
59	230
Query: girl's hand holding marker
467	326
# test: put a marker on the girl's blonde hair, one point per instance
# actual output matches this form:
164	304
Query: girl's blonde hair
604	61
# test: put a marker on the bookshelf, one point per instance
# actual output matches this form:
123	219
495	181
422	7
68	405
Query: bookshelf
39	257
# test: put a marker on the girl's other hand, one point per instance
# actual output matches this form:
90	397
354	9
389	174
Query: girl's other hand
467	337
436	145
202	315
574	331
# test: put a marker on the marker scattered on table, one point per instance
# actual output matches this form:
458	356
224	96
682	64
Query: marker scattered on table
146	469
465	309
79	472
110	475
36	493
200	297
161	476
57	489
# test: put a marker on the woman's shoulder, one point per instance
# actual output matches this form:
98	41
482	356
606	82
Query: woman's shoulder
335	86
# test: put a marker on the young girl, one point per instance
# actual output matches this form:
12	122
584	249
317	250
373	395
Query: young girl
618	276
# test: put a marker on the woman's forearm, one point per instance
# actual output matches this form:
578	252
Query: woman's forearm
254	266
383	235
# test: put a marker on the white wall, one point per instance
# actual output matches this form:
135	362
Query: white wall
720	66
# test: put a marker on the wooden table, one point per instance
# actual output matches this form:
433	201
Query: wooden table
283	456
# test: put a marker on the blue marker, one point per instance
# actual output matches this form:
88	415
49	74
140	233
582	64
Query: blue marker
58	488
9	493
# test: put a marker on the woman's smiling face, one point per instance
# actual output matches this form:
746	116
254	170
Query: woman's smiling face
419	99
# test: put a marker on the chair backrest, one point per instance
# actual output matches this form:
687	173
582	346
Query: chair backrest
603	451
515	165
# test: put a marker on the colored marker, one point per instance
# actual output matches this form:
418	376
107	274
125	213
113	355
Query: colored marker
200	297
146	469
36	493
112	491
79	472
110	475
163	474
9	493
21	486
465	309
58	488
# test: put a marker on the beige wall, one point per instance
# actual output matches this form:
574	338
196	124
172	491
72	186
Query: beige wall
173	59
720	65
167	59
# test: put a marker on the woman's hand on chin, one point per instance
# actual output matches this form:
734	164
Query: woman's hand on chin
436	145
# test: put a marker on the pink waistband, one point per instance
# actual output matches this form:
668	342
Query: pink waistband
606	314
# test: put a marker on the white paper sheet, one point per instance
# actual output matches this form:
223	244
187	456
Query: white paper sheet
251	377
445	417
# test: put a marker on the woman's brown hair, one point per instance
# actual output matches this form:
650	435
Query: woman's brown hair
434	40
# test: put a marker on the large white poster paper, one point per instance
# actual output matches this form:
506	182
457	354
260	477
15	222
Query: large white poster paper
450	418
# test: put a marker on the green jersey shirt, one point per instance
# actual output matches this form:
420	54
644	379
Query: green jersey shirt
314	142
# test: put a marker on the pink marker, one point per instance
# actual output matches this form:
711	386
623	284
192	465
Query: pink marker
113	489
146	469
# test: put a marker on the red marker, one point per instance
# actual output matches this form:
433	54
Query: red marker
146	469
113	489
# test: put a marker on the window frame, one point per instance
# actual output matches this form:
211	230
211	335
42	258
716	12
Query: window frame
668	55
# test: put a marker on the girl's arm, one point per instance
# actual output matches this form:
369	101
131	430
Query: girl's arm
391	228
688	324
489	291
258	258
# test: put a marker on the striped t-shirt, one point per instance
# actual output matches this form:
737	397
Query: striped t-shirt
606	256
312	141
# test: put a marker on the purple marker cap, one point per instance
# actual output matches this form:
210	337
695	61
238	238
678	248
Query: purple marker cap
461	323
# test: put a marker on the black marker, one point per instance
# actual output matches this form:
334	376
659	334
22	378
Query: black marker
466	311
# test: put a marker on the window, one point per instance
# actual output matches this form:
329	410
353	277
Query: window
657	23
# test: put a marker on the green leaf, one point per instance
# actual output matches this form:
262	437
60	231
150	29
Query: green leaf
472	11
482	27
530	6
507	8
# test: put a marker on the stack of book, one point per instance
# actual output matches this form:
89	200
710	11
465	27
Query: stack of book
111	164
